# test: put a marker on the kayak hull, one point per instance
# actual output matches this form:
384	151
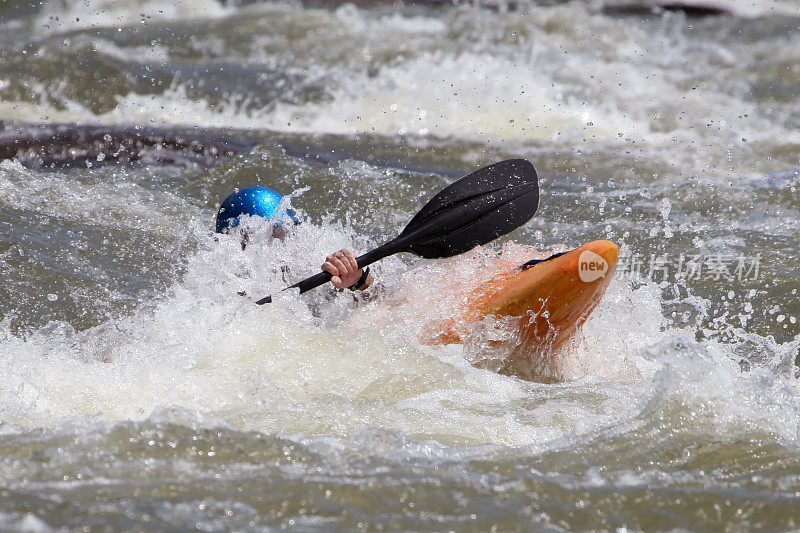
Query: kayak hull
548	299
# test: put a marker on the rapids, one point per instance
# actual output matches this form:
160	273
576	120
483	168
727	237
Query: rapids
140	391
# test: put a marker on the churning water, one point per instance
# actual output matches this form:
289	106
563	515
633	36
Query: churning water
139	390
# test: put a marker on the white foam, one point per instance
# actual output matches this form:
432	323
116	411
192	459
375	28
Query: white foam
635	87
154	53
58	16
117	202
201	355
204	356
759	8
27	523
603	349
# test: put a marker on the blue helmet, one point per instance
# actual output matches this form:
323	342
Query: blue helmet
257	201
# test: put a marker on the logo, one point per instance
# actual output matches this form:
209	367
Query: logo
591	266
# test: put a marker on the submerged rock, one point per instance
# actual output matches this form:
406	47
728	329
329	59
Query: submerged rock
609	8
657	8
71	145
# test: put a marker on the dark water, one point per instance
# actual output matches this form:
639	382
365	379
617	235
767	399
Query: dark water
140	392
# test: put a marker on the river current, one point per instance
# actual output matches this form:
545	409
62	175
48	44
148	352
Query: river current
140	391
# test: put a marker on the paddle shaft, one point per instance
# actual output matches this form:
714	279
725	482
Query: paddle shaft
362	261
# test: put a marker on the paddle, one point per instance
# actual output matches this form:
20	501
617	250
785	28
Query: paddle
474	210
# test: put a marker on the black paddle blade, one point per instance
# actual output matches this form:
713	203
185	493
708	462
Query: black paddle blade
474	210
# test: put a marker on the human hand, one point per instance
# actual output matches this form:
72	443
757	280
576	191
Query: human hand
344	269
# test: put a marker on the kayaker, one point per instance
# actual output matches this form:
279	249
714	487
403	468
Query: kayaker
266	203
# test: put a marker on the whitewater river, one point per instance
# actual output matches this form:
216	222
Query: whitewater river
140	391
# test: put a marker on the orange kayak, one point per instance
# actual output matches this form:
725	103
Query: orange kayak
543	302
